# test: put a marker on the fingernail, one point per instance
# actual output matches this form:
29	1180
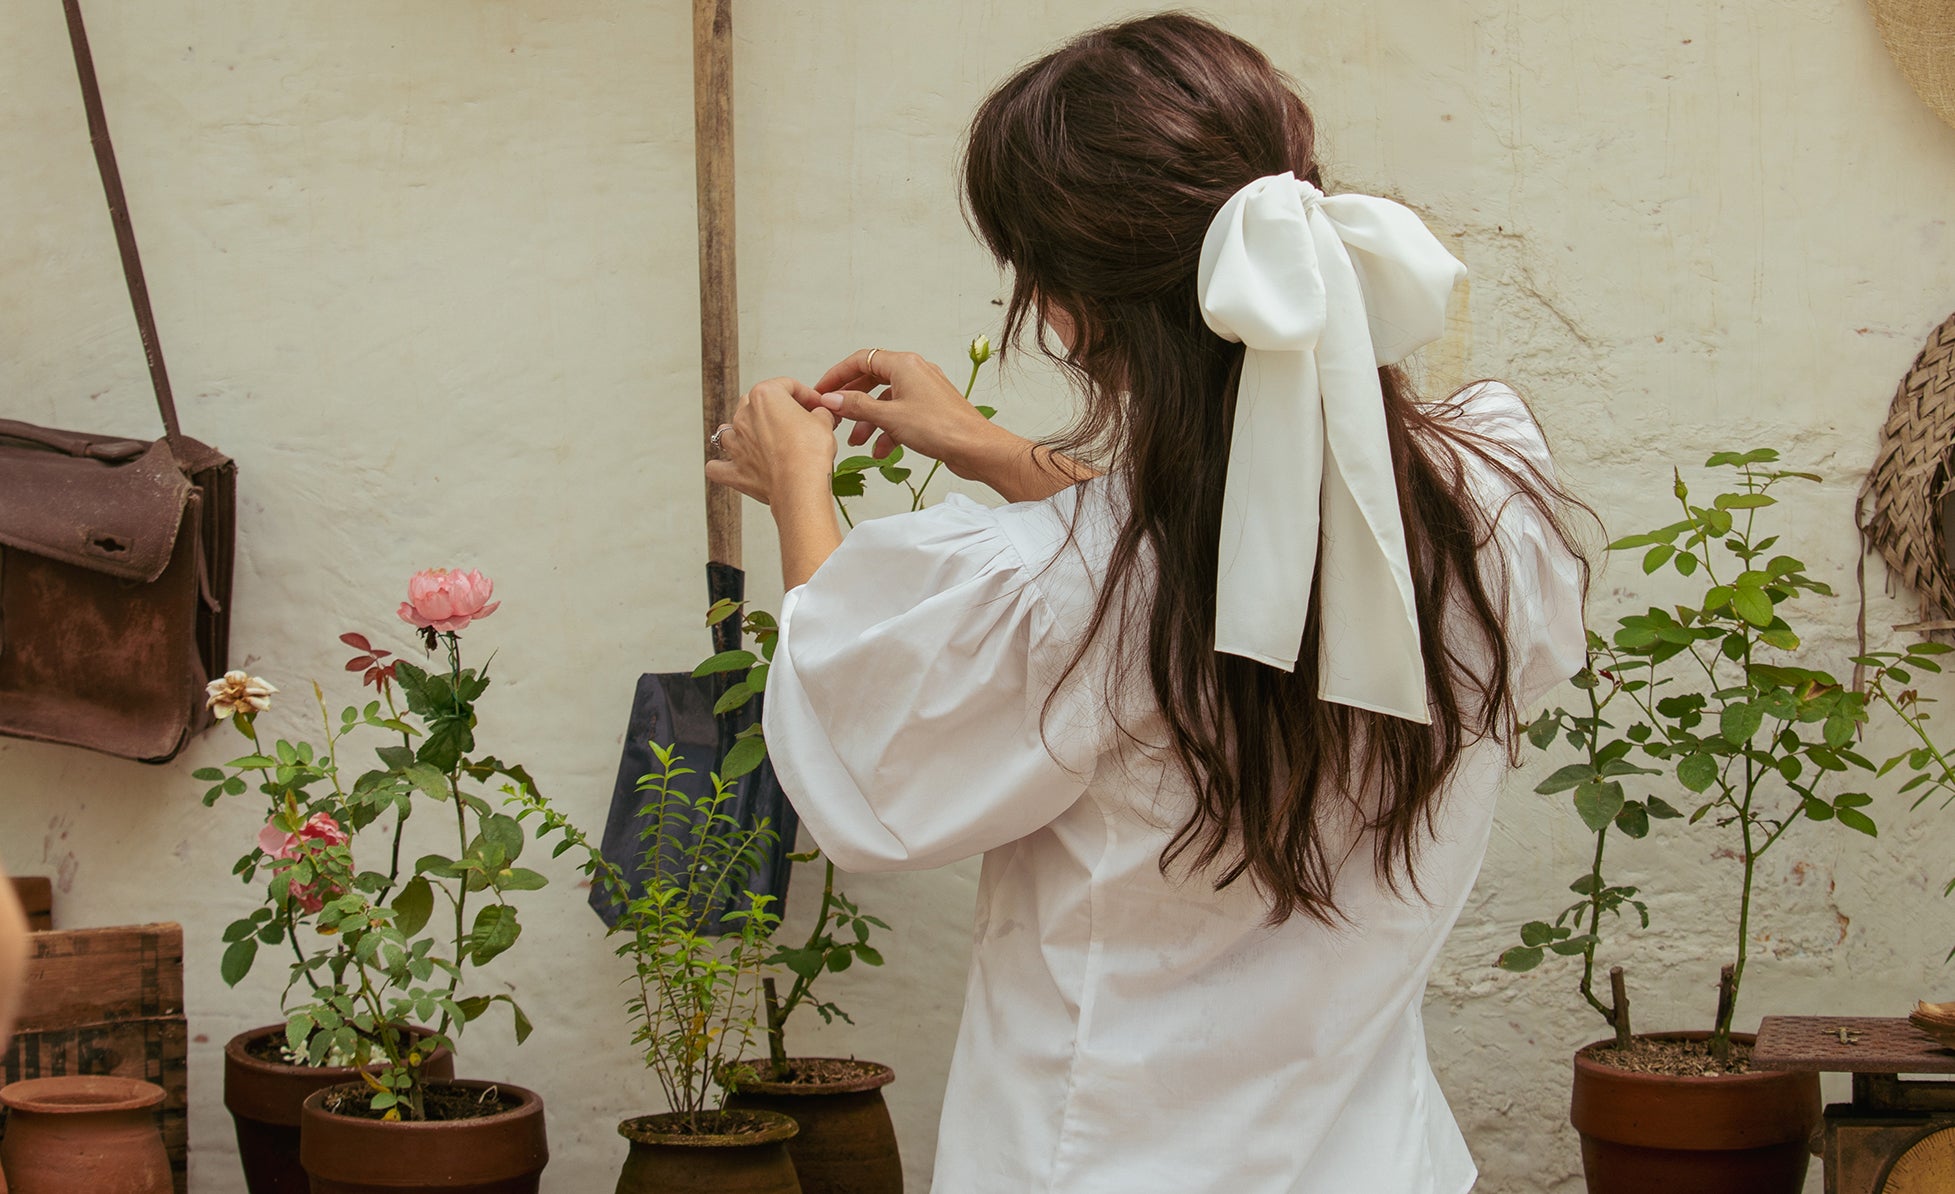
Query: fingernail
832	401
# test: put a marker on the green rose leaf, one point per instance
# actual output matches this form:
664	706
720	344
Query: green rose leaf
1752	604
1697	772
237	960
1739	721
1598	802
1855	819
1565	778
1521	958
494	931
414	905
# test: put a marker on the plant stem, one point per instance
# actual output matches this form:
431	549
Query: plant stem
776	1030
1619	993
461	828
1594	922
777	1044
937	464
1727	1006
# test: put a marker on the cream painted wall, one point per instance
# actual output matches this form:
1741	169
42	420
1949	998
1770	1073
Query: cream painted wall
427	271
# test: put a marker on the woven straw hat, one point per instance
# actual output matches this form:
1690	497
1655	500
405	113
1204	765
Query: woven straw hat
1908	501
1920	34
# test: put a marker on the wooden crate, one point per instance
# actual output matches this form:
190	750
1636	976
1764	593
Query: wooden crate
37	899
110	1001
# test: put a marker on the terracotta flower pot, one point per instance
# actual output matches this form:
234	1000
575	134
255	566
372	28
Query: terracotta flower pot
264	1098
502	1153
81	1135
846	1144
1693	1135
750	1161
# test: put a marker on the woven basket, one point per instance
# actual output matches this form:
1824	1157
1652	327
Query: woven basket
1920	34
1905	505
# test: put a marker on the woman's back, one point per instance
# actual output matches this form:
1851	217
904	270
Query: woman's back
1130	1027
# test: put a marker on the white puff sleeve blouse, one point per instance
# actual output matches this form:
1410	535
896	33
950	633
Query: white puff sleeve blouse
1124	1030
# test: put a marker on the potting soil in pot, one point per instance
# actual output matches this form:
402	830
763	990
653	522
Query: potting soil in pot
444	1104
1676	1059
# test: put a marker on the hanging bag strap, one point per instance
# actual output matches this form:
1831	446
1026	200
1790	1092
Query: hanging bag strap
125	233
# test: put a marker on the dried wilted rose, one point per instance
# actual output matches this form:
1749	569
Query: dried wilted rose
235	692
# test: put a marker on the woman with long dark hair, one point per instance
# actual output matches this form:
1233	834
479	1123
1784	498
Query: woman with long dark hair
1225	696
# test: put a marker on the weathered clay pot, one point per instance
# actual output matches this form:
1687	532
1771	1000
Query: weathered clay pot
264	1098
1693	1135
84	1135
662	1161
846	1144
495	1154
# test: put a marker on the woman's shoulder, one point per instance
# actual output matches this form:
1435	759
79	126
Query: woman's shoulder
1498	418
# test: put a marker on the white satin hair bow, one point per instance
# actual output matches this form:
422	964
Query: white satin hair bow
1321	290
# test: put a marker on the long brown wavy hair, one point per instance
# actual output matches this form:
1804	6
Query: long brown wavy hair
1092	175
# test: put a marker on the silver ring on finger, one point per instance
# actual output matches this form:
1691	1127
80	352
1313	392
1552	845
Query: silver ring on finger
715	441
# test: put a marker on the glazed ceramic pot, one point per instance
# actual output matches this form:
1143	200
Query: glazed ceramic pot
1692	1135
847	1144
747	1156
502	1153
84	1135
264	1097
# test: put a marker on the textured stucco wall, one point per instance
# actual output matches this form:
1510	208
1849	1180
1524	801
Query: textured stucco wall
427	271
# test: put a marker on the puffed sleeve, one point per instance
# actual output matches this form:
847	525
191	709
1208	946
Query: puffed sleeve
904	703
1543	577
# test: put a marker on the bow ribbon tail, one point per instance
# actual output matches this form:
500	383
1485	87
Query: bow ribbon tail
1370	655
1276	463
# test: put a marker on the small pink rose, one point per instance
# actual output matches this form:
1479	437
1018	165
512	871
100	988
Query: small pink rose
447	600
281	845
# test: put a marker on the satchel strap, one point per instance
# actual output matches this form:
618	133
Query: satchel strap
125	233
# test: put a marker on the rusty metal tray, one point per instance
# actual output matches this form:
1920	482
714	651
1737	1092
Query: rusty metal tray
1850	1045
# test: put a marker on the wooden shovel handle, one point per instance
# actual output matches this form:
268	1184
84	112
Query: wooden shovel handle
719	311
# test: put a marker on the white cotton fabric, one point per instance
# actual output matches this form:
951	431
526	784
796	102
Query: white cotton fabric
1320	291
1125	1032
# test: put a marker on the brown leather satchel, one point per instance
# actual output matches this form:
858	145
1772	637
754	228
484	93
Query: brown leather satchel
115	553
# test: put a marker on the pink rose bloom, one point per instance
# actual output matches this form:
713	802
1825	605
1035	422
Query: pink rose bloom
447	601
320	827
308	897
283	847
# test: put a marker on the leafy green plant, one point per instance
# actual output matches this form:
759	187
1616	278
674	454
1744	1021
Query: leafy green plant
376	951
842	931
695	1001
1720	701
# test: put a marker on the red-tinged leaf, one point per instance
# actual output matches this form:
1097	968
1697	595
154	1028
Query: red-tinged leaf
359	664
357	641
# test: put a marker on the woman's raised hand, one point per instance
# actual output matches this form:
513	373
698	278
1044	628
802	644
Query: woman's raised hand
781	437
919	408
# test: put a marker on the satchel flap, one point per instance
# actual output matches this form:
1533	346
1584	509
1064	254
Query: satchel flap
115	511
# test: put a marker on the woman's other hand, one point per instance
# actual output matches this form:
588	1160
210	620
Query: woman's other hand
921	408
782	436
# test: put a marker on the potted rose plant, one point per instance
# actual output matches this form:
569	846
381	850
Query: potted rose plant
377	982
694	995
1718	698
